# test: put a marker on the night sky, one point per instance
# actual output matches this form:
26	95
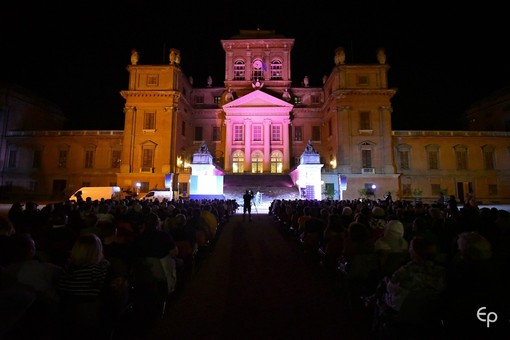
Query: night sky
75	53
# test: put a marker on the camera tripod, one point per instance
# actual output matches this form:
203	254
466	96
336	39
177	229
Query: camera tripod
255	206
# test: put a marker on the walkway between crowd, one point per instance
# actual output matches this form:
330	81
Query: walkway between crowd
255	283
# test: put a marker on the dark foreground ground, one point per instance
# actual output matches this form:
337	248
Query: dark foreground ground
255	283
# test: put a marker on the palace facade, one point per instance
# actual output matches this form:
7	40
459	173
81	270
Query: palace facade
257	123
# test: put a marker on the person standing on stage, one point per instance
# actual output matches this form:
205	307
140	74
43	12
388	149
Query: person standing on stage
247	197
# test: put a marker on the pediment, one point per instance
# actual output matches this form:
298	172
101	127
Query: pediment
258	99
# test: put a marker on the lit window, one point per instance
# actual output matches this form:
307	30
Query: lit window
239	70
257	163
238	133
276	133
276	162
276	69
257	133
238	162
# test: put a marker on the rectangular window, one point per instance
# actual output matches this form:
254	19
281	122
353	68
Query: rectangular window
276	133
216	133
362	80
36	162
147	159
62	159
199	99
433	160
89	159
488	158
217	99
149	120
493	189
435	189
152	80
404	159
198	133
298	133
32	186
257	133
238	133
116	154
315	99
316	133
461	159
366	158
13	155
364	120
297	100
183	128
406	189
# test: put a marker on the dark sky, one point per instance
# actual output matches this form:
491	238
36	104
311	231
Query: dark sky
75	53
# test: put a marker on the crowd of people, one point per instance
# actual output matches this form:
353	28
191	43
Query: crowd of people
73	269
412	270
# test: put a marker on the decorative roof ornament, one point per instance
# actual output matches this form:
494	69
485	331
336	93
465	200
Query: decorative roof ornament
229	96
257	84
339	56
381	56
286	95
134	57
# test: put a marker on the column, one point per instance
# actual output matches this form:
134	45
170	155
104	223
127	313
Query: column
286	150
267	145
247	145
228	145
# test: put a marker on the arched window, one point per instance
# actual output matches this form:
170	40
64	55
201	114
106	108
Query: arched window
257	162
257	72
276	69
276	162
238	162
239	69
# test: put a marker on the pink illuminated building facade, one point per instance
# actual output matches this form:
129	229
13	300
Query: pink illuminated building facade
329	141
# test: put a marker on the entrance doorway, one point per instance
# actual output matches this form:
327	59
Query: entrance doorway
463	190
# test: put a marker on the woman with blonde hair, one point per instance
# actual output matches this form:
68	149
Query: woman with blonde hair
85	289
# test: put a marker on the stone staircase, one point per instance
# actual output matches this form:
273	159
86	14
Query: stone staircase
269	187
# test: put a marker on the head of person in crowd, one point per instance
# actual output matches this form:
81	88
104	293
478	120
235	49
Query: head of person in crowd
87	250
473	246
